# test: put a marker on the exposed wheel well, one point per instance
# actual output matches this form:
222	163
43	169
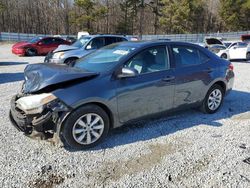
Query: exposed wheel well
222	84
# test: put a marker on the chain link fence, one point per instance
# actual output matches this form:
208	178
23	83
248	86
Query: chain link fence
196	38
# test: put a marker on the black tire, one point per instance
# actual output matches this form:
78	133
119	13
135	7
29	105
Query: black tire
70	61
71	122
248	56
31	52
205	105
224	56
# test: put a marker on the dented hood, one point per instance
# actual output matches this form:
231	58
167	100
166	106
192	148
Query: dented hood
41	76
64	47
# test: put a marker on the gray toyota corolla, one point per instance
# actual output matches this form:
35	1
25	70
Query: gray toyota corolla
115	85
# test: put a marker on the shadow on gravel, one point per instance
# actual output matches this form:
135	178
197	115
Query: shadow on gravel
11	77
235	104
12	63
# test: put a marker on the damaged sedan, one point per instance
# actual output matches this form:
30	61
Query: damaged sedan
115	85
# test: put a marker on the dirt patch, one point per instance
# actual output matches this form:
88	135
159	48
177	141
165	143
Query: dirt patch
49	182
47	177
195	168
113	171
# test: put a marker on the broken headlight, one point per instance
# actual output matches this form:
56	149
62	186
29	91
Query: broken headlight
34	104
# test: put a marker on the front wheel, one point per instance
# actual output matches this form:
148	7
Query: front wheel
224	56
213	99
85	127
248	56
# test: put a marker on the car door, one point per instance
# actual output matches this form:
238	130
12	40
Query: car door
152	90
45	45
192	74
238	51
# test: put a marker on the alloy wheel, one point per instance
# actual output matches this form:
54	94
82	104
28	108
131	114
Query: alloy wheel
214	99
88	129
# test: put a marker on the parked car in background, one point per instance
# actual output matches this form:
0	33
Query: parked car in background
38	46
117	84
248	52
238	50
69	54
216	46
220	50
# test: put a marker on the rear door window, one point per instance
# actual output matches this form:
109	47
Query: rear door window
59	41
47	41
110	40
188	56
120	39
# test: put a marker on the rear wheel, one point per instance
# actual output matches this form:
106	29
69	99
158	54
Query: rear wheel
31	52
213	99
85	127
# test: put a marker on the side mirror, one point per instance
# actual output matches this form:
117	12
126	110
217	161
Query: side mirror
40	43
127	73
234	47
88	47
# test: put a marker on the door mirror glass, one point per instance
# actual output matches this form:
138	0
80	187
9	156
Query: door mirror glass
127	72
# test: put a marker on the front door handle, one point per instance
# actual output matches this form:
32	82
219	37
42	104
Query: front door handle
168	78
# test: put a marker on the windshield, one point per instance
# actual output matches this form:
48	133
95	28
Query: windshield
227	44
35	40
105	58
81	42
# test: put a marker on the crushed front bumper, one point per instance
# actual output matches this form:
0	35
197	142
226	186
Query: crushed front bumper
46	121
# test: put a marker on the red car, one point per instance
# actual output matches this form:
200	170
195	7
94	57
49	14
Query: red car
38	46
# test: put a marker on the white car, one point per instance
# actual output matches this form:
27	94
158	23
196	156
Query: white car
248	52
216	46
238	50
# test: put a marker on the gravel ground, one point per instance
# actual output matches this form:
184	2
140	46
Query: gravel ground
187	149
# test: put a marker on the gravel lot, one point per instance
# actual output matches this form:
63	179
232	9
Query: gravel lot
187	149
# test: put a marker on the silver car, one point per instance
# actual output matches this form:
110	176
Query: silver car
69	54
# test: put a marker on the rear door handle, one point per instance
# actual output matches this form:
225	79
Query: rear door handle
168	78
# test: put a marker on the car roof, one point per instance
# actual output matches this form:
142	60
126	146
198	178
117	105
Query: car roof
153	43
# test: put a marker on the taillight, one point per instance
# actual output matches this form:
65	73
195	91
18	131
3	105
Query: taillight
231	67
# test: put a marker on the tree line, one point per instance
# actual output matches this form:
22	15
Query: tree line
134	17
